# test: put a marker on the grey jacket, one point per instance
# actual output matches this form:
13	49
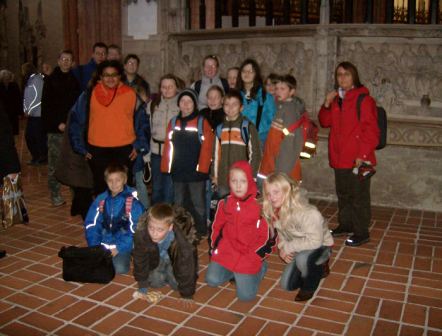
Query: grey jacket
32	95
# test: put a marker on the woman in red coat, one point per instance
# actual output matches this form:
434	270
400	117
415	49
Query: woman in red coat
352	142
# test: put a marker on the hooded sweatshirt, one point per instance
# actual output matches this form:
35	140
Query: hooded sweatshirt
240	235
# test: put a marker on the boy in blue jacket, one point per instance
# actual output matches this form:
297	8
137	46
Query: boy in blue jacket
112	218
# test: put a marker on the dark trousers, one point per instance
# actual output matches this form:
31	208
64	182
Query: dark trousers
354	208
102	157
192	197
36	139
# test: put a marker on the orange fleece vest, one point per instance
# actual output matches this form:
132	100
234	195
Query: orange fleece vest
113	125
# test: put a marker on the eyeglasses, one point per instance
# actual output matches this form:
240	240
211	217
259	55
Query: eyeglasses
250	72
111	75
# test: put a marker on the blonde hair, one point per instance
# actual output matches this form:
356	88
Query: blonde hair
294	199
161	211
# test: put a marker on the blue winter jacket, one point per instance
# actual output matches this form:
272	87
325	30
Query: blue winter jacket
80	118
84	73
108	224
250	110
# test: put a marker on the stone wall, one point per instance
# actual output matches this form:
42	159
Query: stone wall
401	65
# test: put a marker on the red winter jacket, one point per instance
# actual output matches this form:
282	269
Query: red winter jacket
240	236
350	138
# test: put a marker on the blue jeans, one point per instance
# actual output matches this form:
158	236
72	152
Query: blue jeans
143	197
192	196
305	270
163	275
121	263
162	186
246	284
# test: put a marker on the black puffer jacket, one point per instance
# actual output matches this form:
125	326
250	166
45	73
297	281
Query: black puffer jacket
9	162
182	254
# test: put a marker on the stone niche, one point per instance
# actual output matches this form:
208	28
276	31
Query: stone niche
400	64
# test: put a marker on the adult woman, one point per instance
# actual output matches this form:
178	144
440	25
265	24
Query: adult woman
162	109
304	239
259	106
352	142
108	124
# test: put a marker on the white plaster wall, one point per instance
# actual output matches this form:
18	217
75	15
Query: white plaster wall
142	19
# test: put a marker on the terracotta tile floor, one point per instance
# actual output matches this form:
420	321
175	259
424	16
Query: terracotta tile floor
391	286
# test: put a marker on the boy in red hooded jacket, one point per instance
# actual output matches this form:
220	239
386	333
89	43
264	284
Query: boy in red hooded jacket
241	237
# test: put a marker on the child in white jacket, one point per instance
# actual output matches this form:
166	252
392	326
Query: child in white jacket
304	239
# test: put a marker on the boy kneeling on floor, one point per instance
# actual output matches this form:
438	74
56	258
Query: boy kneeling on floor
164	253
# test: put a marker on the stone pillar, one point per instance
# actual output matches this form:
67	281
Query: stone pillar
324	16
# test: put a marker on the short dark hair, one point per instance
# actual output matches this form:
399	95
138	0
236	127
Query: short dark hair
114	46
350	67
289	80
233	93
162	212
274	78
129	56
115	168
215	88
66	51
110	64
99	45
214	57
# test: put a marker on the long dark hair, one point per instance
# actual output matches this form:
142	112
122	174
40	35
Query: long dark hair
257	81
350	67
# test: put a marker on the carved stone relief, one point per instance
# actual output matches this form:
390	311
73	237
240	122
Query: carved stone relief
281	56
399	73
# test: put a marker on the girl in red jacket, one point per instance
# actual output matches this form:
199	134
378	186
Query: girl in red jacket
240	237
351	144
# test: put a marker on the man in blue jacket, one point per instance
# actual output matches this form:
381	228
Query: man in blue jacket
84	72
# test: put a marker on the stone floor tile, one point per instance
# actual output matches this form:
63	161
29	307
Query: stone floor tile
435	318
383	328
57	305
16	329
166	314
391	310
274	329
274	315
209	325
322	325
295	331
72	330
220	315
113	322
11	314
183	331
249	326
414	314
41	321
93	315
74	310
26	300
359	325
411	331
368	306
326	314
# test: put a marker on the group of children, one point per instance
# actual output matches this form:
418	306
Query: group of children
217	145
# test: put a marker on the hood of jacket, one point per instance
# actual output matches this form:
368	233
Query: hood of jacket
252	190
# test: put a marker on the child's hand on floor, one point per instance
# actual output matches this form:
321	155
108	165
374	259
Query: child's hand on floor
187	303
151	297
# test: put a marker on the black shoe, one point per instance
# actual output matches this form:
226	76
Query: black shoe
340	231
2	254
356	240
304	295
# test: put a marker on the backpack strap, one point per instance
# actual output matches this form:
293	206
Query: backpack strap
201	128
198	86
101	206
359	103
245	130
259	112
295	125
218	131
173	122
128	205
225	85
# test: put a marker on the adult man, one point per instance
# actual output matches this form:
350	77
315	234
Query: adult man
84	72
210	77
133	79
114	53
60	91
